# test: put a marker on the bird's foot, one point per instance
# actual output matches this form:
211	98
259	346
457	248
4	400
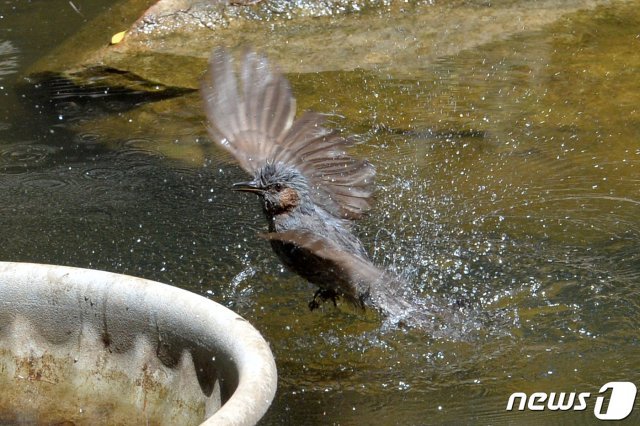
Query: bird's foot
322	295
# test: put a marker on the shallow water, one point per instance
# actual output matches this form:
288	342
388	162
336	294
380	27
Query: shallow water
508	178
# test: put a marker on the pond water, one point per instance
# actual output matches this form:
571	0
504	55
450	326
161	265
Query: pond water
508	177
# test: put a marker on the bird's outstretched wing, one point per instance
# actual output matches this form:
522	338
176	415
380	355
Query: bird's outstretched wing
254	120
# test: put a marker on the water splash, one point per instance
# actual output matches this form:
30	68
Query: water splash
8	59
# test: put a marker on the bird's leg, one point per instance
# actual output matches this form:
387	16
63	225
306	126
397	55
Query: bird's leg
322	295
313	304
364	297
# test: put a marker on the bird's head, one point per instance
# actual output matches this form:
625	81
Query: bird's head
281	188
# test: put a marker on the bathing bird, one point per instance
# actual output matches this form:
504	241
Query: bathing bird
310	189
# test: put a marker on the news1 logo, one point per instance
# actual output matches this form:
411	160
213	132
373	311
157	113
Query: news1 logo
621	400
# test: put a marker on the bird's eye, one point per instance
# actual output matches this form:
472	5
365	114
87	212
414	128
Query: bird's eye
278	187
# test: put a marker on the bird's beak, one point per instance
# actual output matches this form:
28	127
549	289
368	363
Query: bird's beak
252	186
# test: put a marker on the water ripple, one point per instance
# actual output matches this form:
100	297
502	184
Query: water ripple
138	152
88	139
8	58
103	173
45	180
20	156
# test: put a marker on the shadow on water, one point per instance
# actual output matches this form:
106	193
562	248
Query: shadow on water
507	182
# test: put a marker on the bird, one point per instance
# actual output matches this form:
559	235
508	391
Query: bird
310	189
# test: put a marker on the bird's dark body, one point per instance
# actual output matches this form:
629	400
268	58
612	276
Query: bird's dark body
328	275
317	270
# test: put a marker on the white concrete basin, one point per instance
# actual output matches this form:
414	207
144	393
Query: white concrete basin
93	347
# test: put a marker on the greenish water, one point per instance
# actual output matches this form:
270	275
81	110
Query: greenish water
508	177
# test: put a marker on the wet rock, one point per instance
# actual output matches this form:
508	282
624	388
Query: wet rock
349	58
168	44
